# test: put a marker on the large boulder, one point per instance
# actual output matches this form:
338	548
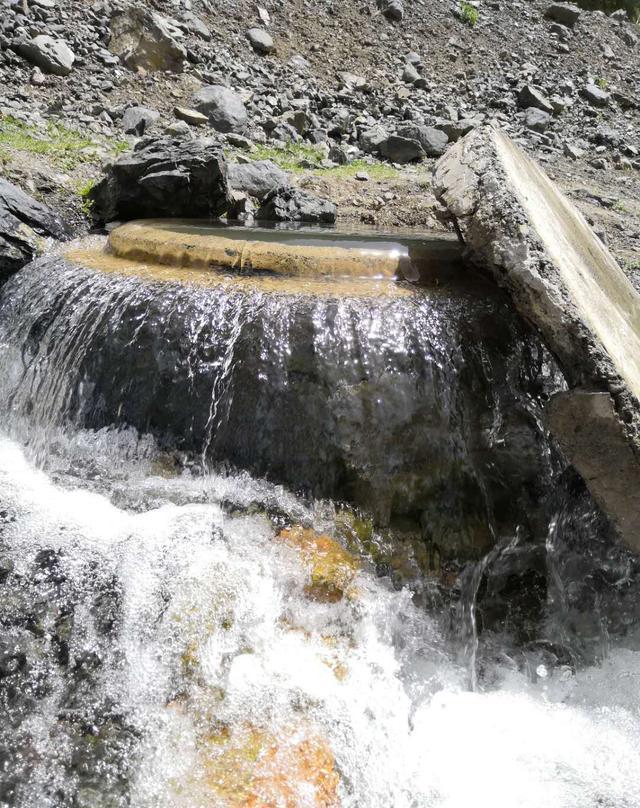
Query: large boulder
515	222
49	54
145	39
223	107
163	177
433	141
294	205
25	224
261	41
258	178
400	149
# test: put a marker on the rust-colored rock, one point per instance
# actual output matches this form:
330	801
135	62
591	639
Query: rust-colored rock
332	569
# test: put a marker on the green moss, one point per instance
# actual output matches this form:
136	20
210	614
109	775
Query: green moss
65	147
602	84
469	13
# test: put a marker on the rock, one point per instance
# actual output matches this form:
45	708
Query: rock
400	149
25	224
596	96
223	107
163	177
457	129
49	54
592	437
565	13
572	151
196	26
190	116
350	81
145	39
433	141
392	9
295	205
371	140
530	97
258	178
536	119
331	568
338	156
137	120
410	75
516	223
261	41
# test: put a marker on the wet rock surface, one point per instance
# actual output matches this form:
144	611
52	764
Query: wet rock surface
509	216
25	224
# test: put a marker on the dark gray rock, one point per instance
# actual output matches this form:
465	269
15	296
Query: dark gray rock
257	179
400	149
24	225
392	9
536	120
294	205
530	97
261	41
49	54
565	13
371	140
163	177
223	107
137	120
433	141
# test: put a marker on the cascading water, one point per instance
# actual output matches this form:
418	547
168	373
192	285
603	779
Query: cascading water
174	632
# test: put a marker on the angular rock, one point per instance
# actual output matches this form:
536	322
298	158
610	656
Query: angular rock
163	177
258	178
536	119
564	13
392	9
592	437
196	26
530	97
190	116
433	141
137	120
515	222
596	95
24	226
371	140
294	205
261	41
145	39
223	107
400	149
49	54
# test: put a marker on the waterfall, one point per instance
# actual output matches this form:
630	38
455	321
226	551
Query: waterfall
266	545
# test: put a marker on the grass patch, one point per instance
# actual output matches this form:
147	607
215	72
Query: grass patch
289	157
469	13
376	171
83	189
65	147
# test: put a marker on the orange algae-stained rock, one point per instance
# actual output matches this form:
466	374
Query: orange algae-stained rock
250	768
295	774
332	568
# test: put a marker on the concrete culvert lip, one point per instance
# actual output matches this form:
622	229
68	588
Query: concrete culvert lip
304	252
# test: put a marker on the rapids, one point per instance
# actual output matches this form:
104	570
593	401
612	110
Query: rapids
159	642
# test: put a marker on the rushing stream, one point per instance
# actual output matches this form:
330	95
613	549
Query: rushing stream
163	647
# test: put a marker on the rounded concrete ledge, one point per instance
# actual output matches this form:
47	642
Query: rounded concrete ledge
301	252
